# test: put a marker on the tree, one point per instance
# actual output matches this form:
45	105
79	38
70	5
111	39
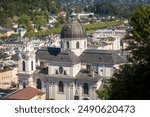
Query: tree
11	8
25	22
132	81
109	9
39	21
104	94
140	22
61	20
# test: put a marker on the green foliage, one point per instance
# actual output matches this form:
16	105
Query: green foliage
61	20
132	81
39	21
13	85
11	8
104	94
140	22
102	25
90	32
43	33
106	8
25	22
90	28
14	36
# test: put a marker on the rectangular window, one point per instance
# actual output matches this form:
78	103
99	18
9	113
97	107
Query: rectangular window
32	65
23	66
76	97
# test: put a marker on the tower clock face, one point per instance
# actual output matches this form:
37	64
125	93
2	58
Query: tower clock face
23	56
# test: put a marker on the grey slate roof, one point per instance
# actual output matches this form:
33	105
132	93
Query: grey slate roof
88	56
15	57
117	59
47	53
5	30
73	30
66	57
13	41
2	42
84	75
100	57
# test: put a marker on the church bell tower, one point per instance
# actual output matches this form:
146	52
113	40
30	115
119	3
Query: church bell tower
27	66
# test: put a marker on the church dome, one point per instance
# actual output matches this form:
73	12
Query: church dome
73	29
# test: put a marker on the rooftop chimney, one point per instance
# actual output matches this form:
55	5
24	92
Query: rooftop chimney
90	70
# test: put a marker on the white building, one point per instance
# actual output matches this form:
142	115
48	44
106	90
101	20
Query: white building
109	32
51	19
71	72
13	45
6	32
84	15
111	37
21	31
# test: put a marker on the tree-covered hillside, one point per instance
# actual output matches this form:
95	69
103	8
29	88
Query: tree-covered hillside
120	8
110	1
105	9
11	9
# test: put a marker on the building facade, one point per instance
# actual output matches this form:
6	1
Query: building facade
7	77
72	72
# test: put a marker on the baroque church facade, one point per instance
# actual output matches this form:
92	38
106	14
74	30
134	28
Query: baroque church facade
72	72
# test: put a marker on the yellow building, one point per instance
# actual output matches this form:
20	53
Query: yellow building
7	77
6	32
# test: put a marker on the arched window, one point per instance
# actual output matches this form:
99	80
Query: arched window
31	65
38	84
67	44
61	86
77	44
62	44
61	70
85	44
23	66
85	88
56	72
65	73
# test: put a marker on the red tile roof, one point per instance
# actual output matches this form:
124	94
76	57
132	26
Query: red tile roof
25	94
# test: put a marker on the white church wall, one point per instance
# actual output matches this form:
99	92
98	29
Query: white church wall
71	71
58	95
75	69
72	45
52	70
83	66
28	67
81	48
70	90
91	95
105	71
